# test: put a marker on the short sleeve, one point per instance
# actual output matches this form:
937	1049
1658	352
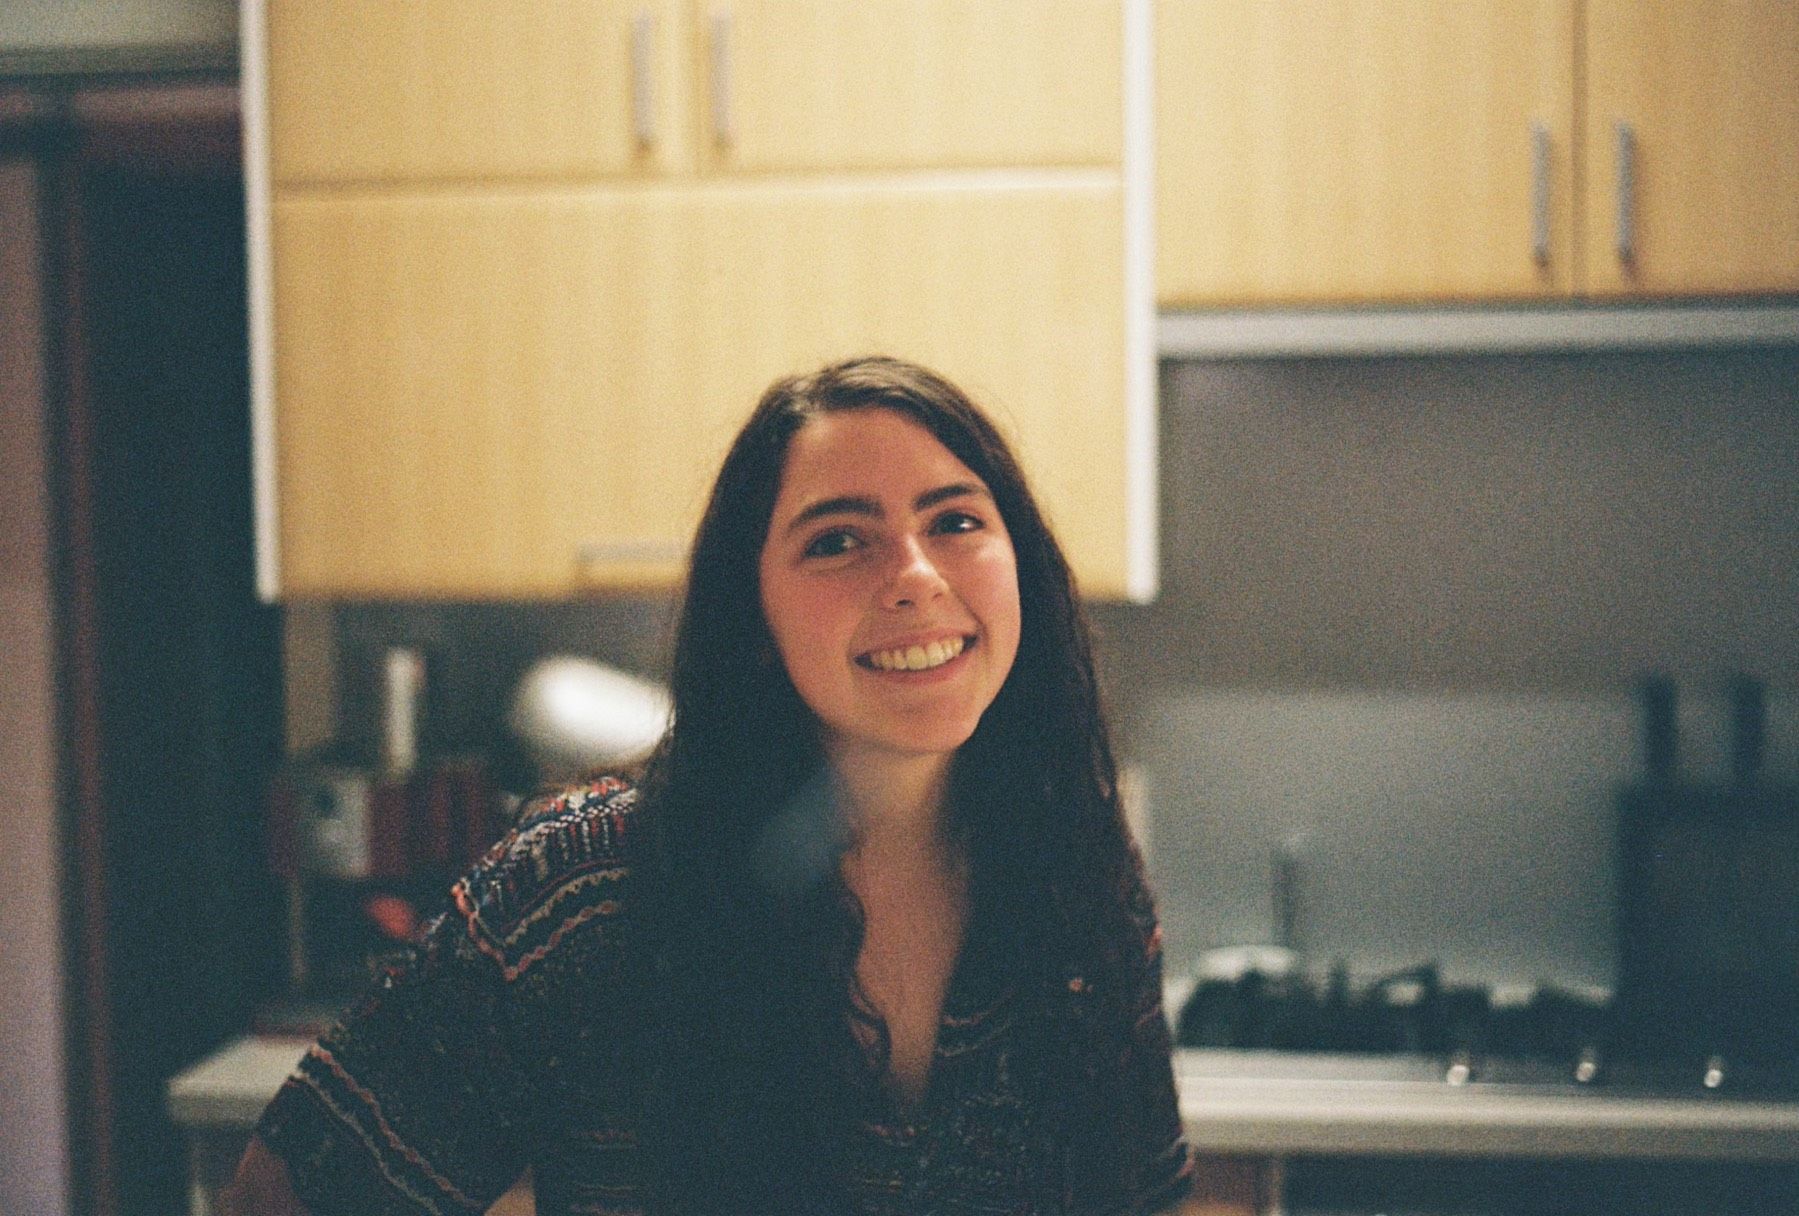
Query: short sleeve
410	1103
433	1092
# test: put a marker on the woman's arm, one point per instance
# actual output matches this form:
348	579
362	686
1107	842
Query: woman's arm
261	1186
1222	1186
431	1091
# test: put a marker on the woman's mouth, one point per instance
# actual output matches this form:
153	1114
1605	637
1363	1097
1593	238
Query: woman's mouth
921	657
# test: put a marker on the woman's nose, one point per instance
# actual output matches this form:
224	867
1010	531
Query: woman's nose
914	578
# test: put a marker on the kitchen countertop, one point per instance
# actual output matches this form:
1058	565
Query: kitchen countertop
228	1089
1273	1105
1284	1104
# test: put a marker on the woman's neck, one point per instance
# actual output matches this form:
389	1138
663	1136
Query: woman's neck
896	805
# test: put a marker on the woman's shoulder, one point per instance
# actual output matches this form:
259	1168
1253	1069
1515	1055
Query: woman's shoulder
594	816
566	865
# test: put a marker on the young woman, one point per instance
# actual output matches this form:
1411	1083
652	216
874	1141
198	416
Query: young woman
869	936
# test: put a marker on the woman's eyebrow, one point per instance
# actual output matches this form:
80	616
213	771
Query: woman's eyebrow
847	504
960	489
856	504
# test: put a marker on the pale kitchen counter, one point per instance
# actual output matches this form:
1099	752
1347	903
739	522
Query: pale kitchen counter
1233	1103
1293	1104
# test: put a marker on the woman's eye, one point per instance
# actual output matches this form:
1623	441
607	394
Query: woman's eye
957	521
834	543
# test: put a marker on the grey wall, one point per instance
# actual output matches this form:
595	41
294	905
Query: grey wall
1548	523
1405	603
1471	829
69	27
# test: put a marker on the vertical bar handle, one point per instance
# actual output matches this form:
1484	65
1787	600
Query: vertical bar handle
1539	192
643	79
1627	194
721	77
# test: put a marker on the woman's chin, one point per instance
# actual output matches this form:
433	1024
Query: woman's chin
936	740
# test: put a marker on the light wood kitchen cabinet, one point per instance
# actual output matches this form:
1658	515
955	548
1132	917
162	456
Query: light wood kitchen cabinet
1692	131
902	84
1014	293
528	394
1335	150
454	376
1423	151
412	92
477	90
499	355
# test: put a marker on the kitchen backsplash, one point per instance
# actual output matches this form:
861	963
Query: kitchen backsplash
1470	829
1405	603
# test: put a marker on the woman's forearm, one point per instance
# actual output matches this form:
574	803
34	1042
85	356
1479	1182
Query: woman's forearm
1222	1186
261	1186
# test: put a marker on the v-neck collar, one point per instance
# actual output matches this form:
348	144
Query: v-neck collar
983	983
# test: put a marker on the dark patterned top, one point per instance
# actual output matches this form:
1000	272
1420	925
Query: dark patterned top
486	1051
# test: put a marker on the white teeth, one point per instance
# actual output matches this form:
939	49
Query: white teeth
917	658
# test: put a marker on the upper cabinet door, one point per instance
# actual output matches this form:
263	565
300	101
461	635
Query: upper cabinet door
527	393
1338	150
487	394
454	89
1018	294
904	84
1693	142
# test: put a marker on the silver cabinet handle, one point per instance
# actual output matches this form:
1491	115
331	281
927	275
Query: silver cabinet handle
643	79
1627	191
721	77
1539	192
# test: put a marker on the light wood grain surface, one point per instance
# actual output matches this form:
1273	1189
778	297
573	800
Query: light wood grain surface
896	84
476	89
478	388
1338	150
1712	92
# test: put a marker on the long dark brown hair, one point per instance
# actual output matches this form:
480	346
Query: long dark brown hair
750	937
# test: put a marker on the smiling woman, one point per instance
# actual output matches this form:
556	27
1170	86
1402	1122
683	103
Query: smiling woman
890	588
870	936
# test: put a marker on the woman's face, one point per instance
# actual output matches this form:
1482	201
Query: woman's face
889	585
